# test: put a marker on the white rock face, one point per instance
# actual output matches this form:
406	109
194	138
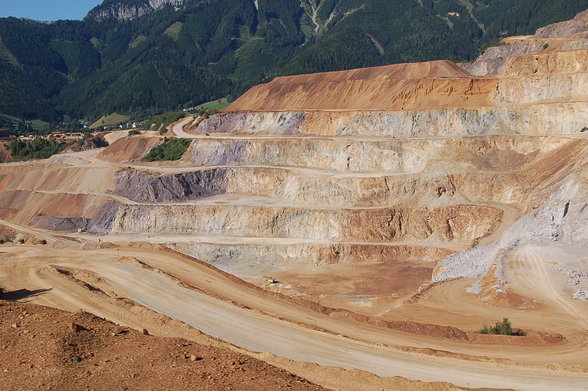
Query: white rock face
155	4
540	119
561	218
126	12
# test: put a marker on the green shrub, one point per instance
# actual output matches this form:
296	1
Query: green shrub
501	328
134	132
170	149
39	148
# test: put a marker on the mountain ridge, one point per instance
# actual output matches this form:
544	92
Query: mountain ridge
124	10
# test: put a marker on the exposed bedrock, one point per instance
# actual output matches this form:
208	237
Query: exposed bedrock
434	172
60	223
494	58
285	187
524	90
282	123
561	218
463	222
532	58
367	156
574	28
224	255
143	187
538	119
403	163
548	64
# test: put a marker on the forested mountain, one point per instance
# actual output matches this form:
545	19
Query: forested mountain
141	57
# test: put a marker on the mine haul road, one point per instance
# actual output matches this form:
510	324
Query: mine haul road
32	266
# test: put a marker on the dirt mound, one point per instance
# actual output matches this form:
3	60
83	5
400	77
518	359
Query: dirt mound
128	148
428	85
407	71
49	349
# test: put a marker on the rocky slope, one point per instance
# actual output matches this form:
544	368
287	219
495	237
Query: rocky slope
129	10
428	164
44	348
393	87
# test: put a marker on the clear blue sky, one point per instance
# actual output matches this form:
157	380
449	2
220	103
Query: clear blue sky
47	9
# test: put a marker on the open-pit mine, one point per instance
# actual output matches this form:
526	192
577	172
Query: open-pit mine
357	228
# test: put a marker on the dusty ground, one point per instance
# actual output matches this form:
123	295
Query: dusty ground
118	283
46	349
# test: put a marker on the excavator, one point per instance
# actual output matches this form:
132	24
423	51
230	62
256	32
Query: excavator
271	280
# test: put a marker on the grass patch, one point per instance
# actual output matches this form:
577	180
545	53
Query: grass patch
218	104
8	56
170	149
137	41
110	120
39	126
174	30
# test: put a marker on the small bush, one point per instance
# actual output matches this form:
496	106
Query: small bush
134	132
170	149
501	328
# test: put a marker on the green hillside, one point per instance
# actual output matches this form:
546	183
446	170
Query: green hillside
150	61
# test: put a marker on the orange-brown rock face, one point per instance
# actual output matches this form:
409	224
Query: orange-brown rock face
418	86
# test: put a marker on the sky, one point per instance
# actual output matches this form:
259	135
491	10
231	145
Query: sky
47	10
